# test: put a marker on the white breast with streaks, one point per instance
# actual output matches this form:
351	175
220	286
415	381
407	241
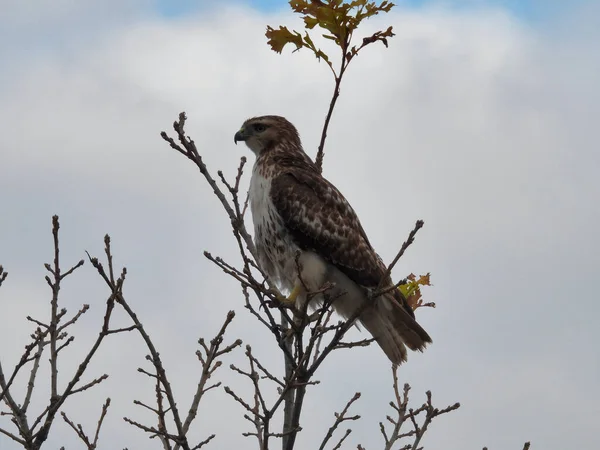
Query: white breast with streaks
273	243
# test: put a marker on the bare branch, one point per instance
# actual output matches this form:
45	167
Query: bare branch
37	322
188	149
204	442
76	317
342	439
153	431
90	384
122	330
526	446
5	385
404	414
161	413
72	269
13	437
51	334
339	418
239	400
361	343
32	375
209	365
411	238
78	430
100	420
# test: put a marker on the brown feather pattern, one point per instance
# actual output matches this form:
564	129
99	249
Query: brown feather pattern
309	213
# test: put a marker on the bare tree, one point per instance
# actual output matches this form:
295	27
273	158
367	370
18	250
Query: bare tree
52	336
304	338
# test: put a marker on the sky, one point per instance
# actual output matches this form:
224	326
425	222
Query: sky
480	119
524	9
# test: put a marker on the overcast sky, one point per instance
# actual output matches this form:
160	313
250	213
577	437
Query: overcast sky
481	119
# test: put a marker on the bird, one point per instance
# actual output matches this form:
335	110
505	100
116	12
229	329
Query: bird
307	235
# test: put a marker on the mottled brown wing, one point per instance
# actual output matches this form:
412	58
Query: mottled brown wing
320	219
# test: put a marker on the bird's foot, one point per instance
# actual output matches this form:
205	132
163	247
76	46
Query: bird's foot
290	300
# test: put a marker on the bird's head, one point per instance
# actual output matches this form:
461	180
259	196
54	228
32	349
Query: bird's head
263	133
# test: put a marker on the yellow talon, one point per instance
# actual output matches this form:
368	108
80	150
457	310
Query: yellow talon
291	299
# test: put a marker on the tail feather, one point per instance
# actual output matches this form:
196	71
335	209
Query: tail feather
394	328
389	318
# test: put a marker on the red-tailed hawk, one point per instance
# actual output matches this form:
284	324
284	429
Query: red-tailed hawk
295	209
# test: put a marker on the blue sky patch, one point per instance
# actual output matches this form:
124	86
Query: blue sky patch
528	10
522	8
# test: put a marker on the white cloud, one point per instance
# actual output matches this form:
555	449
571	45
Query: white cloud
476	122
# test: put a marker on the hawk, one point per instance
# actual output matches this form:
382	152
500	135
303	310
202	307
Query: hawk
307	234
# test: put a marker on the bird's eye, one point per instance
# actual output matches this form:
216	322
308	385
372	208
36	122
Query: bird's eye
259	127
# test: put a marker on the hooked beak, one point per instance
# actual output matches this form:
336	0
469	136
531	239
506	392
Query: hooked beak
239	136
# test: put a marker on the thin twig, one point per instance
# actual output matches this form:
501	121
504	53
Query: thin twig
209	365
32	375
411	238
50	333
3	275
339	418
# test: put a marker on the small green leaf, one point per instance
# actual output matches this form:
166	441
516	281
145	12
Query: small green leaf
281	37
338	17
310	22
319	54
412	290
308	42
